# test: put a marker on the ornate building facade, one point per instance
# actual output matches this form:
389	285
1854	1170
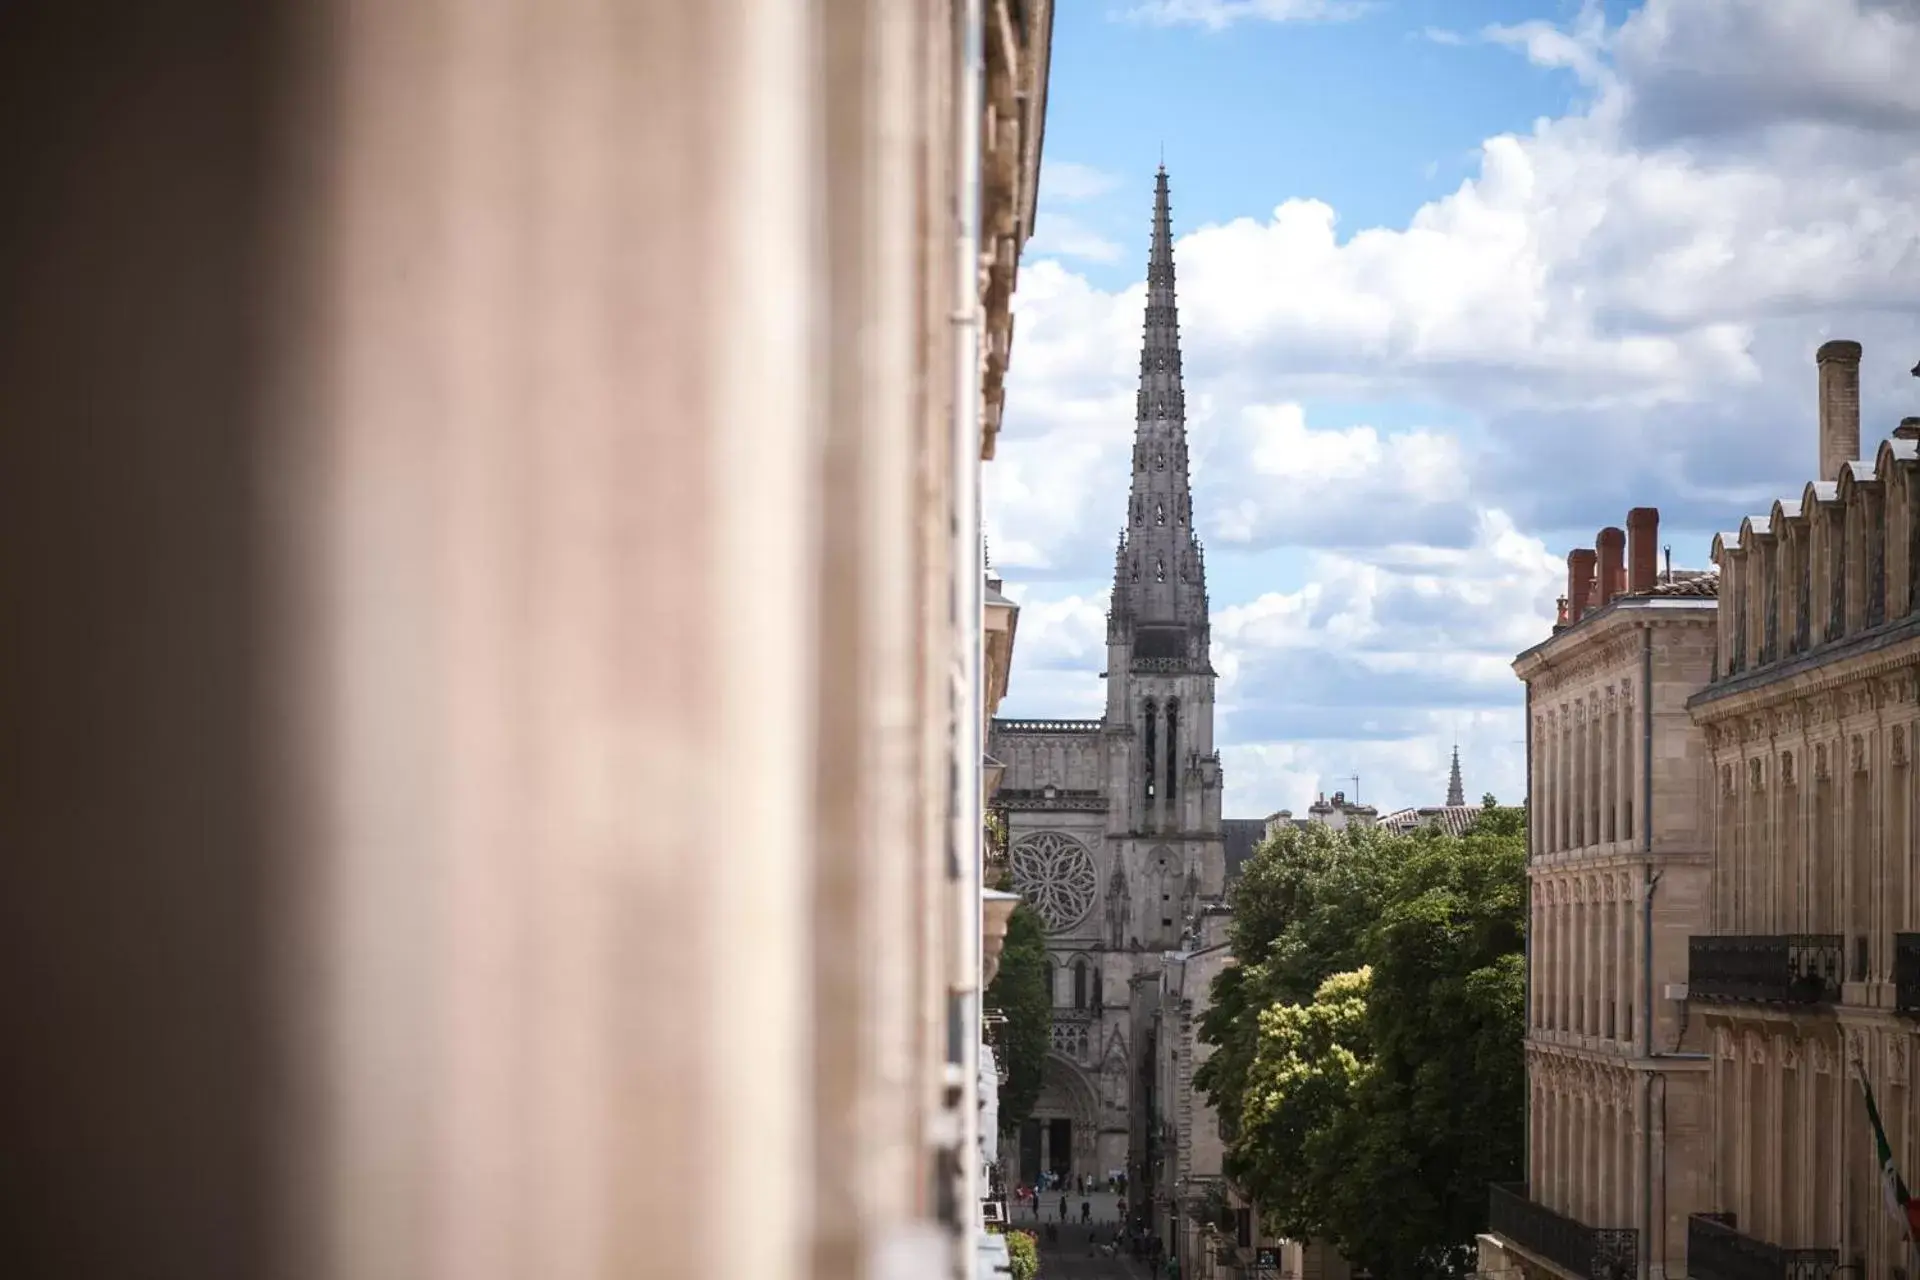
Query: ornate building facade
1619	861
1113	825
1808	974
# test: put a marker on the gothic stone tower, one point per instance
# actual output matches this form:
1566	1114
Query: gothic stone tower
1114	824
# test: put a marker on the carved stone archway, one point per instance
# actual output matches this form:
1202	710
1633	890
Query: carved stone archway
1068	1093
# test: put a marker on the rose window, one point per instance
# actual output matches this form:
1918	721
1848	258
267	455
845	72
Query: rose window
1054	873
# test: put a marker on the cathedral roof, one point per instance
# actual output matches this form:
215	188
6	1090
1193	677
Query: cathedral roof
1243	836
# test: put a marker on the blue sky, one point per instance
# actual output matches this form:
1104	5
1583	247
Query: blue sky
1461	281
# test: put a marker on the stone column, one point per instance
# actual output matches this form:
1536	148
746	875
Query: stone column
1545	788
1610	967
1623	973
1596	937
1563	956
1628	799
1569	780
1578	792
1597	770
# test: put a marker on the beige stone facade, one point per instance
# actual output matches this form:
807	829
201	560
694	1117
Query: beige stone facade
1806	976
495	754
1192	1153
1619	865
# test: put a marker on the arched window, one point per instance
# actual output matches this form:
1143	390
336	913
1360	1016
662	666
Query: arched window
1152	757
1046	967
1079	984
1097	1002
1159	513
1173	747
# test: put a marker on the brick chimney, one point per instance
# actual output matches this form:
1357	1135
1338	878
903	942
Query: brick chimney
1579	582
1643	548
1839	363
1610	546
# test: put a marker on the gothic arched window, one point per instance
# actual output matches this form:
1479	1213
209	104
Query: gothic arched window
1159	568
1159	513
1097	1002
1079	984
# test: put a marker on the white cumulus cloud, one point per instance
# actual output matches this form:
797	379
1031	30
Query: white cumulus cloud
1618	308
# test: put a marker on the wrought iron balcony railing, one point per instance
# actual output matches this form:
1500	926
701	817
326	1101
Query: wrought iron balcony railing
1906	974
1716	1250
1600	1253
1794	968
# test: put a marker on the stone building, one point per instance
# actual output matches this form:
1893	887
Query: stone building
1188	1168
494	750
1113	825
1807	973
1619	861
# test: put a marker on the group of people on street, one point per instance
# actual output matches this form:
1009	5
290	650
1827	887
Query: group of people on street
1029	1197
1086	1184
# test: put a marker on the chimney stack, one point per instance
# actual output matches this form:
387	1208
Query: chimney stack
1579	582
1839	363
1610	546
1643	548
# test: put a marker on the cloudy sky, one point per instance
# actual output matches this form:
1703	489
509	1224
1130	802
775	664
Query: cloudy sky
1460	281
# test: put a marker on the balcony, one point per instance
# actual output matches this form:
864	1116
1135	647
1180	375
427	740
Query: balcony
1906	974
1598	1253
1796	968
1717	1251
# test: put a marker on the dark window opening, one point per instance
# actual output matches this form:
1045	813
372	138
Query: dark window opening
1079	984
1152	756
1173	746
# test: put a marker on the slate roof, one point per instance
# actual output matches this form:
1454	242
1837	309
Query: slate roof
1243	836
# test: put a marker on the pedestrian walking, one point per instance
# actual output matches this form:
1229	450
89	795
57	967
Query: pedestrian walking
1063	1208
1086	1212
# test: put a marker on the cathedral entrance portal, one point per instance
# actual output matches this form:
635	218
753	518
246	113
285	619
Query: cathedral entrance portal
1061	1137
1060	1149
1049	1145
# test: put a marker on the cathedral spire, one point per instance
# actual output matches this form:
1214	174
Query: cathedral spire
1160	576
1456	793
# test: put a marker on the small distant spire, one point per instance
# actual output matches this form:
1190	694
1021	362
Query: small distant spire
1456	793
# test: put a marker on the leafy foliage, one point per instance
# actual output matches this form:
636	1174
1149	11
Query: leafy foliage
1023	1251
1301	909
1019	992
1307	1062
1369	1058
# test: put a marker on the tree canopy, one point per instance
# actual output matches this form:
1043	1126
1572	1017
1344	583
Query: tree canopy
1368	1062
1019	992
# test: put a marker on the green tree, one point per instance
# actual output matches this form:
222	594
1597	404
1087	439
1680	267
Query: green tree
1368	1065
1023	1254
1498	820
1438	1114
1301	910
1019	993
1307	1062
